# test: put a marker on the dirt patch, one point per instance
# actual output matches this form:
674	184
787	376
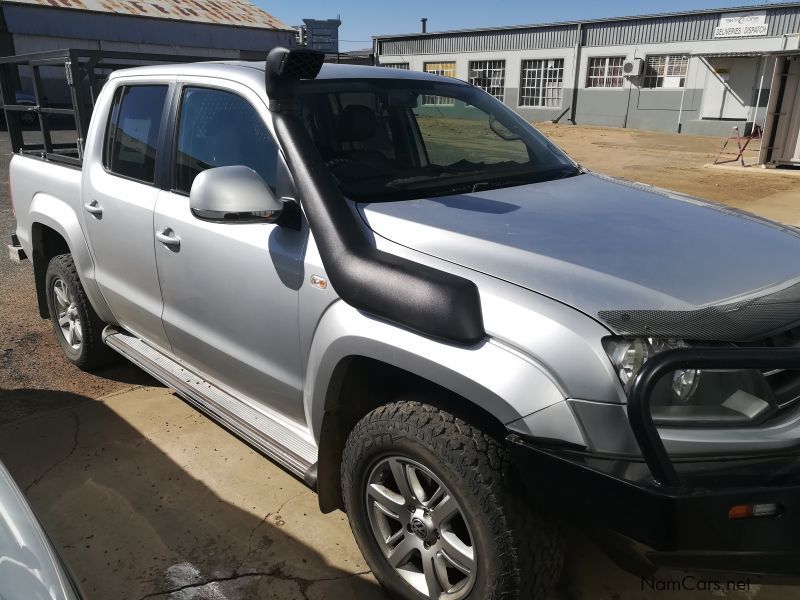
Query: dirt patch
666	160
33	371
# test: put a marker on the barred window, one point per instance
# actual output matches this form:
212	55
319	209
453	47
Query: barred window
666	71
489	75
445	69
541	82
401	66
605	71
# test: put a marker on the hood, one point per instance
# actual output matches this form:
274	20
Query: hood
640	259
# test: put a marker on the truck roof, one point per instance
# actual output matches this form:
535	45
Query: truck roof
254	70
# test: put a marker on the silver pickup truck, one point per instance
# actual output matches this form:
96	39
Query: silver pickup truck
395	287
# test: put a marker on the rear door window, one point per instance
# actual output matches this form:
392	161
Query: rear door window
133	128
217	128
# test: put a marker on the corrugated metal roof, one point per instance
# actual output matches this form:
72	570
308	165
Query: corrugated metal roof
551	37
606	20
783	18
222	12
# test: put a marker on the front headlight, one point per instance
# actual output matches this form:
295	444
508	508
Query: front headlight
690	397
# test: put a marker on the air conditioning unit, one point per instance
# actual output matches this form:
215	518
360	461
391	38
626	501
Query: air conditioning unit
633	68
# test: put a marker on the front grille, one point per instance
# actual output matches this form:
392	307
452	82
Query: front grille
785	385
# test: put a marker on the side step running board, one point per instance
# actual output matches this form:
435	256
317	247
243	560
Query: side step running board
286	443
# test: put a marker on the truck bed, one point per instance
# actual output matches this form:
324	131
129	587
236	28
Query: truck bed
34	182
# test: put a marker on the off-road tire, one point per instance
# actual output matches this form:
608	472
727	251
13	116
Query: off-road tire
519	551
93	353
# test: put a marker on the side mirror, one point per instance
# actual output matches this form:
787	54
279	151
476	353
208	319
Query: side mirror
234	193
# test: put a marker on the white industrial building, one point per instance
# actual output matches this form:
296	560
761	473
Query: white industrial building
700	72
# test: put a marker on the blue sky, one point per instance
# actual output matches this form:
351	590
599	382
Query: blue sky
361	20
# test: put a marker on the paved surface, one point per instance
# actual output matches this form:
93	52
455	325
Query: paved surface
150	499
783	207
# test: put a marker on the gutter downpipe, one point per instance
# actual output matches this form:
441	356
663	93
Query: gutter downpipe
758	96
630	83
683	95
576	79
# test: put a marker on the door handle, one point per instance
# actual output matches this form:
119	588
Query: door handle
94	208
167	237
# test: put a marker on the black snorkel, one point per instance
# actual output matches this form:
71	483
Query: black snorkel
432	302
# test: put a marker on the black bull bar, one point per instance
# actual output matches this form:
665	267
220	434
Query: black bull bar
660	518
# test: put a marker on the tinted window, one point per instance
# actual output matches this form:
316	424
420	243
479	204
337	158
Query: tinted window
221	129
476	140
133	131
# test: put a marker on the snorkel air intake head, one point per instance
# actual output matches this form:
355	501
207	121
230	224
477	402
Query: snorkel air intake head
284	68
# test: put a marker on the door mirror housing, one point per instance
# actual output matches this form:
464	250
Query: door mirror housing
231	194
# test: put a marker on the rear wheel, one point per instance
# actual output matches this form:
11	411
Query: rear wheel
433	508
77	327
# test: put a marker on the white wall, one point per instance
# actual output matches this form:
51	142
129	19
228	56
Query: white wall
704	97
513	71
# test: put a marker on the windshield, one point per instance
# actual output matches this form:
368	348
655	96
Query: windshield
387	139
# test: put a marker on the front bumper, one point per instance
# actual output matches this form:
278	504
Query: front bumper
676	513
665	526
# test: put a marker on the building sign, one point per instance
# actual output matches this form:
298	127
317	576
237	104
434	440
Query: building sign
744	24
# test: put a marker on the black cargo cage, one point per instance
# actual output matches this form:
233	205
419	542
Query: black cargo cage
59	88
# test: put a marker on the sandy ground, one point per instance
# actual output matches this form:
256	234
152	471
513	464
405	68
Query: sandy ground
671	161
149	499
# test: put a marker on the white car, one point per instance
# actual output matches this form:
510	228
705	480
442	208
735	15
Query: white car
30	567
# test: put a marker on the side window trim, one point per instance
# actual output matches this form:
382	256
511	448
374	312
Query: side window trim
174	122
110	135
165	138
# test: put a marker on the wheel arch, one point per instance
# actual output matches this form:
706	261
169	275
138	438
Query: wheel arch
55	230
357	363
359	384
46	243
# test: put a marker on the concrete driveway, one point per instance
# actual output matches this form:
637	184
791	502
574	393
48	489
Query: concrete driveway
148	498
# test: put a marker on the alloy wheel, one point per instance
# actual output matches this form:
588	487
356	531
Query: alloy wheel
69	321
421	529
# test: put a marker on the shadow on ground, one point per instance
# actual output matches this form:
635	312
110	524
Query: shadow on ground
135	520
20	403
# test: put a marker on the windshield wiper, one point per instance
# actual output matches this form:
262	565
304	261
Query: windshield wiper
484	177
443	175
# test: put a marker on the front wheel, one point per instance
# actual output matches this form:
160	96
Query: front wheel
433	508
